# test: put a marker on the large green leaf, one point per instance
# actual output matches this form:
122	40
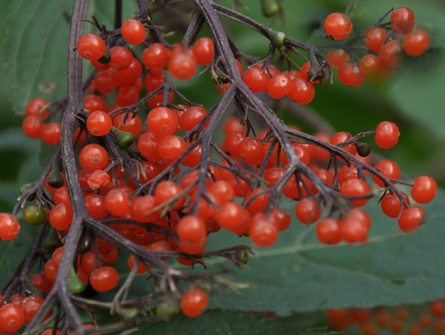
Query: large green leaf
234	323
36	46
300	274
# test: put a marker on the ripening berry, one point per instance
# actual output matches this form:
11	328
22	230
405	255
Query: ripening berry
338	26
387	134
402	21
193	303
424	189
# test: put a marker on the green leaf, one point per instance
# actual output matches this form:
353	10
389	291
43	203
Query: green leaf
233	323
36	46
36	50
300	274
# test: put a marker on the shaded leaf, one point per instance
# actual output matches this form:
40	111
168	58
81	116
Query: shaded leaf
299	274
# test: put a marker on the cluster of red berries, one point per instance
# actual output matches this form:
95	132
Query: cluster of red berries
387	48
19	311
399	320
111	191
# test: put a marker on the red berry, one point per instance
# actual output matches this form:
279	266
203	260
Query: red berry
308	211
424	189
263	233
99	123
374	37
356	187
192	233
259	203
279	86
162	121
61	216
256	80
182	66
32	126
155	56
351	74
343	137
117	201
337	57
11	317
192	117
376	72
133	31
411	218
132	124
302	91
91	46
204	50
402	21
387	134
391	54
353	230
104	279
251	151
121	57
9	227
233	217
416	43
338	26
391	205
167	190
193	303
389	169
34	105
93	157
171	147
